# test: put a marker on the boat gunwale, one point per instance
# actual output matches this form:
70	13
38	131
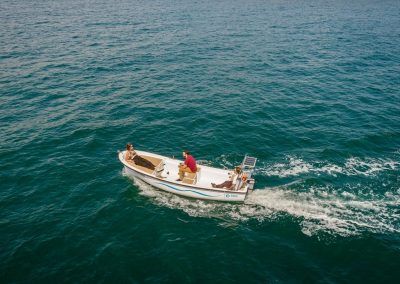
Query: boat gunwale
174	183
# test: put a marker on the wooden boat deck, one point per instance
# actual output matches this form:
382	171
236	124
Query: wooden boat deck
154	160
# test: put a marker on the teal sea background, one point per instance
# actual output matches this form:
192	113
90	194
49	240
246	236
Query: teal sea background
311	88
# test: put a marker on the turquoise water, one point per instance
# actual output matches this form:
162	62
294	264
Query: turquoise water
311	88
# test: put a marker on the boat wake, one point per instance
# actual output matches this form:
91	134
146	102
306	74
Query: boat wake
347	211
355	166
338	213
316	211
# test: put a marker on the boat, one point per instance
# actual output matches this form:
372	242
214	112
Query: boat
194	185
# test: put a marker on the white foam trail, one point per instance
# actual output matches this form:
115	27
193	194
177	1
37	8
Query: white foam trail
367	167
294	166
353	166
333	212
317	210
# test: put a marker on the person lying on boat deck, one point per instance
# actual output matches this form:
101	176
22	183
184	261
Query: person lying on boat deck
131	155
229	184
189	166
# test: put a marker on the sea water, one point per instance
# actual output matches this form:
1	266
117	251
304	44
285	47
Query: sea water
310	88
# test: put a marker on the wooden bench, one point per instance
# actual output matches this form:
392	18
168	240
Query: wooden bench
192	178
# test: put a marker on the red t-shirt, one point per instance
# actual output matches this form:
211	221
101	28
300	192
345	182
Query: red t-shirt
191	163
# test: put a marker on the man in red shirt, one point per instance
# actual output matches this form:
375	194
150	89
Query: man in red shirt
189	165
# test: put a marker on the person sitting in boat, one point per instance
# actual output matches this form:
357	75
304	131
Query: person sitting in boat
229	184
131	155
189	166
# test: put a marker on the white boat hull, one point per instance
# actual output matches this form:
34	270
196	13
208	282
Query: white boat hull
183	189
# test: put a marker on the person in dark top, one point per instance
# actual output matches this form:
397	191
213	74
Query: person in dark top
131	155
189	166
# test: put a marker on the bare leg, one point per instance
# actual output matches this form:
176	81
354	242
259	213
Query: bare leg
227	184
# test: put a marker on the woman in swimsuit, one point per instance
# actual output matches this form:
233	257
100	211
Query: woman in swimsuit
131	155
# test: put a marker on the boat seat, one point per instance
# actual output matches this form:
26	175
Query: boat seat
192	178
